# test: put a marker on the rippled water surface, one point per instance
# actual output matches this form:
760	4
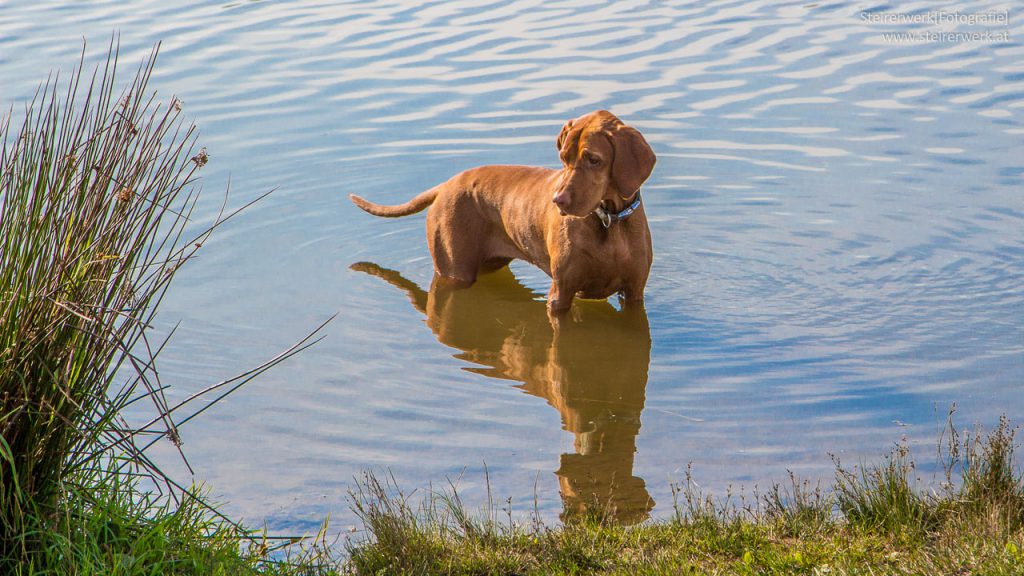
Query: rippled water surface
838	220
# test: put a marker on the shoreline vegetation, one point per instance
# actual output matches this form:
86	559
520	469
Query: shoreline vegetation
873	519
96	192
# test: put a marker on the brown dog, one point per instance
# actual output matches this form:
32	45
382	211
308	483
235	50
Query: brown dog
583	225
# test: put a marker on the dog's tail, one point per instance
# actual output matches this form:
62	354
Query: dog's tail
413	206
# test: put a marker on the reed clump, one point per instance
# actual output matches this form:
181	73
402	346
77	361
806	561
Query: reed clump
95	193
97	185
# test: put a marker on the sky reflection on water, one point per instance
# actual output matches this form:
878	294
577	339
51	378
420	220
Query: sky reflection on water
836	215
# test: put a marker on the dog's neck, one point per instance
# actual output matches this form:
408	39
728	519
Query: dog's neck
608	215
617	203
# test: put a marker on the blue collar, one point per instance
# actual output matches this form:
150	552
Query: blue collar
608	217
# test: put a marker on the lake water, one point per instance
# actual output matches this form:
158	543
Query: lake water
838	221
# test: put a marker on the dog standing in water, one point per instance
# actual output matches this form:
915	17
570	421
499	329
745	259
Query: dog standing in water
584	224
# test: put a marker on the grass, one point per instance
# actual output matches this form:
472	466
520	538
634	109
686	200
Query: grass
97	186
110	527
874	519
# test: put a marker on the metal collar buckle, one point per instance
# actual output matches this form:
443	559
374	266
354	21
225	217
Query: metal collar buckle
607	217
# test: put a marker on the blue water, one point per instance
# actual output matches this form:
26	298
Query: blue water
838	220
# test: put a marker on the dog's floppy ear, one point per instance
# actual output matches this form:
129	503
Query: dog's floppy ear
568	141
634	159
562	135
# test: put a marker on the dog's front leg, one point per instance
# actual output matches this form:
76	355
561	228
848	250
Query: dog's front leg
559	304
560	298
633	292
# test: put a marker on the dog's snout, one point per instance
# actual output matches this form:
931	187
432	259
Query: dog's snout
561	199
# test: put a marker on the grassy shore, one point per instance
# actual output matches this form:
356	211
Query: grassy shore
108	526
875	519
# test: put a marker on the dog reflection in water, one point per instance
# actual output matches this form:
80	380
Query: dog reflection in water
591	366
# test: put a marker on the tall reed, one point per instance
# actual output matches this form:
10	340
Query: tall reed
96	188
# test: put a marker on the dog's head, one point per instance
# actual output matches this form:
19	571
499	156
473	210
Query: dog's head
602	159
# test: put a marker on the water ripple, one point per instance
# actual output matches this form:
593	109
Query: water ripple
836	216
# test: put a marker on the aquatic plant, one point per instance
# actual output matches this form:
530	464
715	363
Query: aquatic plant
96	191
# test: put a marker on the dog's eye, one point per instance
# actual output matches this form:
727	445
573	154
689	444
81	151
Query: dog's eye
593	160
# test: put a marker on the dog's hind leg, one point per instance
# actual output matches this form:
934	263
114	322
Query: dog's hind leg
456	251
